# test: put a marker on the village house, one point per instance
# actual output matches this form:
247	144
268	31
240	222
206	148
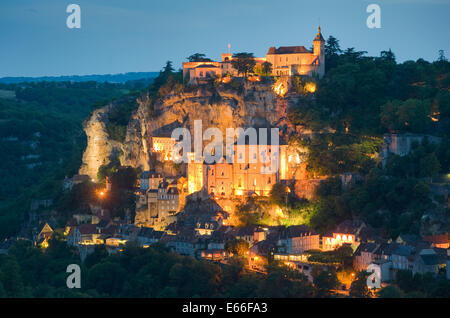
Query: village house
148	236
364	256
44	236
158	207
128	232
438	240
403	257
213	254
297	239
246	233
186	243
346	232
429	261
206	227
260	252
219	237
150	180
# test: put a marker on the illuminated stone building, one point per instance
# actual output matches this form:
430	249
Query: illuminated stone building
298	60
345	233
196	173
285	60
150	180
158	207
163	147
297	239
335	240
249	173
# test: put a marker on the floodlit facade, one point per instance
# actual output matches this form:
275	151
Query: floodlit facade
285	60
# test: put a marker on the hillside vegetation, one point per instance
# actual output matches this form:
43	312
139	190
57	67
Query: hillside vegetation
42	140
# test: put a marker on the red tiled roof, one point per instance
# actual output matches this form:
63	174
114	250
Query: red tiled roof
288	50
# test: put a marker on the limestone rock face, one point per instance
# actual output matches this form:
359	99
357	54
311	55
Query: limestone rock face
100	148
254	105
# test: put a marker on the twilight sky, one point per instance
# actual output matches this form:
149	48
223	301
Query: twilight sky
140	35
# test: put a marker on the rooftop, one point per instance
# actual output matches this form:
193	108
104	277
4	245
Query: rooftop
288	50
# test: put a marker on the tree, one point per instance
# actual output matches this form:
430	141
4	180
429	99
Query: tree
278	194
332	51
243	62
344	255
332	47
405	280
267	68
442	57
124	178
390	291
387	56
282	282
410	115
325	281
198	57
237	247
351	55
359	288
168	69
107	278
429	165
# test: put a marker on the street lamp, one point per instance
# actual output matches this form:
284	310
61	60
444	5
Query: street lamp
288	190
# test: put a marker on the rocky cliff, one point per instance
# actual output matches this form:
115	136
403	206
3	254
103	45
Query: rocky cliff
253	104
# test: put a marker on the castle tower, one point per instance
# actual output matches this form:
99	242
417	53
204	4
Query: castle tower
319	51
319	44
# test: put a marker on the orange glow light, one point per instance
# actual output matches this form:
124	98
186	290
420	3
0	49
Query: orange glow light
310	87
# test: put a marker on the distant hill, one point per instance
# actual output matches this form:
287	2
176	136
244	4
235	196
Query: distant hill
112	78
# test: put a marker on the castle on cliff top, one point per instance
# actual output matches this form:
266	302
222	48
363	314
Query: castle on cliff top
285	60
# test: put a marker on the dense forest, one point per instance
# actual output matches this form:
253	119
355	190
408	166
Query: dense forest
42	139
156	272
